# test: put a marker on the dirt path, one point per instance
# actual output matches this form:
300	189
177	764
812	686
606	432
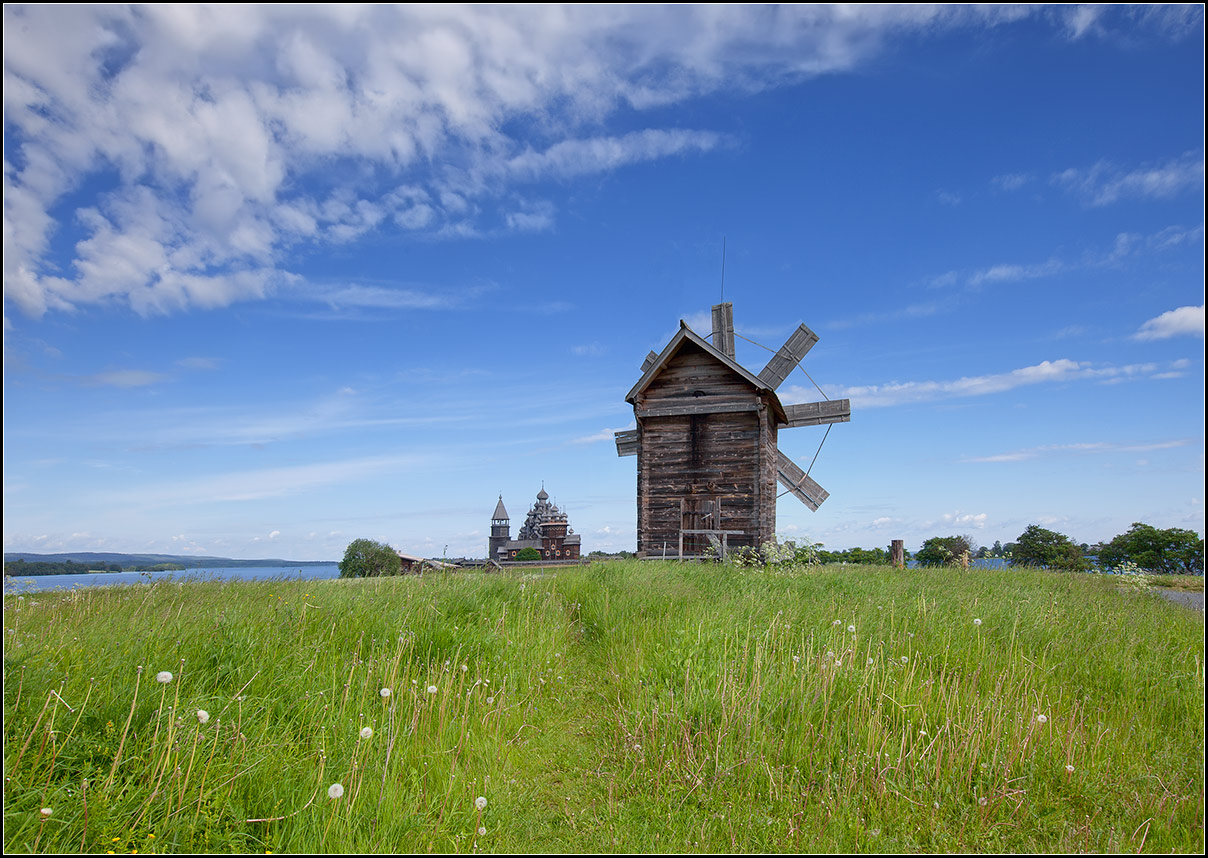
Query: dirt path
1191	600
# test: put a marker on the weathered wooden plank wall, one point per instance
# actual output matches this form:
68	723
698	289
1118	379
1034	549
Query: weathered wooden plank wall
724	447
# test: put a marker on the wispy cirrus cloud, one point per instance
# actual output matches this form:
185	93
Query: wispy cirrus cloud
1105	183
1085	448
125	378
1046	372
1180	322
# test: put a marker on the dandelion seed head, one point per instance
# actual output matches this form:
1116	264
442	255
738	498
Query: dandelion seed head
870	659
982	801
464	668
385	692
1043	719
366	732
482	831
837	623
490	700
480	802
163	676
1069	768
335	791
905	659
431	689
202	716
977	621
851	629
46	811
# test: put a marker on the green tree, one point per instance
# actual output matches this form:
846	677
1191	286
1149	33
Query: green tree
944	550
365	558
1048	549
1171	552
528	553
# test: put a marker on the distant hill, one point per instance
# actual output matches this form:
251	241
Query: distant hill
189	562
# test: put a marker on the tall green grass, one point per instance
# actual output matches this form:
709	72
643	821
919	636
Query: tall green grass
615	707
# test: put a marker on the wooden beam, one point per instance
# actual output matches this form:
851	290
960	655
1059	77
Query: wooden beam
696	408
649	362
817	413
627	442
799	482
790	354
723	328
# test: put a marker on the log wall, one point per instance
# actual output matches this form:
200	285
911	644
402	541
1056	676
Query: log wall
724	447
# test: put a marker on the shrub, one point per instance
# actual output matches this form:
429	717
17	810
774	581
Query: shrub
365	558
945	551
529	553
1172	552
1049	549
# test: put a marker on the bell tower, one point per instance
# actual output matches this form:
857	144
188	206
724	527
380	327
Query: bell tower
501	530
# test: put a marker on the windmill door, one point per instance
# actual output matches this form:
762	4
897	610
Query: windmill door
700	526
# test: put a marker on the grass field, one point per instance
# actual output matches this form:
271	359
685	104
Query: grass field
635	707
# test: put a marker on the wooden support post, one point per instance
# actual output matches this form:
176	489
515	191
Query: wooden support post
897	554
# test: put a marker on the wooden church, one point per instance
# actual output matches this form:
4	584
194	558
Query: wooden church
706	443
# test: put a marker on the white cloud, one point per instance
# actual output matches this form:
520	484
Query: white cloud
1045	372
604	434
1078	449
1011	181
124	378
1106	183
1180	322
228	134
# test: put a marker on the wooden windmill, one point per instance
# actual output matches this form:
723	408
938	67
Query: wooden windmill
706	442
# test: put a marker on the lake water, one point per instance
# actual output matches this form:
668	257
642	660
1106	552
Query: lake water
39	583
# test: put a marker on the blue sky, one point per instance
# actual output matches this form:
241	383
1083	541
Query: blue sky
277	278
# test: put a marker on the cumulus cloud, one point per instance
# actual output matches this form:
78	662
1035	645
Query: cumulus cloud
211	140
1180	322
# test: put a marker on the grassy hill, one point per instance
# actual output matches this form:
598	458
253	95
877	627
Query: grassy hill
616	707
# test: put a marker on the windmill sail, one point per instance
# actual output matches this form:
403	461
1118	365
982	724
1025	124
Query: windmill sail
818	413
799	482
723	328
795	348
